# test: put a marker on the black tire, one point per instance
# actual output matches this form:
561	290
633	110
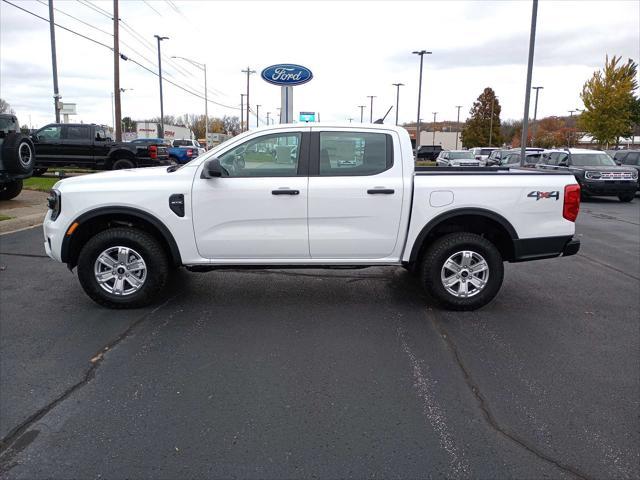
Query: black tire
627	197
447	247
142	244
18	154
38	172
122	163
10	190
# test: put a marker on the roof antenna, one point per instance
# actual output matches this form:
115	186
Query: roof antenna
381	120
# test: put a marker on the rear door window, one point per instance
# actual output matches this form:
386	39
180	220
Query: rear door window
357	153
632	158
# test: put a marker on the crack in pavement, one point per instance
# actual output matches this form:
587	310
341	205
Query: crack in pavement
30	255
606	265
488	415
18	433
604	216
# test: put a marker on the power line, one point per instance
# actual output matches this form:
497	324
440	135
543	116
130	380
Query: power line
124	57
149	5
77	19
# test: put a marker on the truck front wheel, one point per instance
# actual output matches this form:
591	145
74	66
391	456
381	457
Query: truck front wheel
123	163
123	268
462	271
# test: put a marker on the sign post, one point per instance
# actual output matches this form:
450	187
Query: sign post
286	76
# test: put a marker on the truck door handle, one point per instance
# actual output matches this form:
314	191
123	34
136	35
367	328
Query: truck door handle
381	191
285	192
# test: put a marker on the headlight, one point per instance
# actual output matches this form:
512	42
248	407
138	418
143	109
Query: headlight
593	175
634	174
54	202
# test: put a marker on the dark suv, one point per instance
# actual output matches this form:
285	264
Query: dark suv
628	158
595	171
17	157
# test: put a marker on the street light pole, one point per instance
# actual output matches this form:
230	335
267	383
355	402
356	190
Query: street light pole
268	113
525	120
535	115
116	72
203	67
54	63
434	127
248	71
458	125
242	95
361	107
422	53
371	108
161	133
397	85
257	116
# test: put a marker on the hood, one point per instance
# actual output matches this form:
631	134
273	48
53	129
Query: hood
133	175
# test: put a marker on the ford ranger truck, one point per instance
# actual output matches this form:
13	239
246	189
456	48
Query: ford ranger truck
321	196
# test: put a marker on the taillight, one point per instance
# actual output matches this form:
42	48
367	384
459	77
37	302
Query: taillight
153	151
571	202
189	152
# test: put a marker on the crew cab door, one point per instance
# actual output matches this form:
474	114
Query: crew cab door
77	144
48	144
258	209
355	193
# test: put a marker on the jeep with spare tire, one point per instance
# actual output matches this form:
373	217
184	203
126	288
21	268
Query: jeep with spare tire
17	157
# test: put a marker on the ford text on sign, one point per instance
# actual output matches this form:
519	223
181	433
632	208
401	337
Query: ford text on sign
286	74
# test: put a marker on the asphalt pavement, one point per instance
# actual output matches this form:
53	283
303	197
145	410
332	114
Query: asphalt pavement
288	374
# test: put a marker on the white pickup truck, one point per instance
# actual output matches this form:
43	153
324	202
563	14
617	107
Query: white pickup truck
300	196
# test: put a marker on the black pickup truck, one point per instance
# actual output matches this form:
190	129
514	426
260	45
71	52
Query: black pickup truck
91	146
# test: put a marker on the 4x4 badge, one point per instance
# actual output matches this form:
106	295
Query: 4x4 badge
539	195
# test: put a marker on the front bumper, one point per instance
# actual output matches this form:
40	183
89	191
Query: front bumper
608	187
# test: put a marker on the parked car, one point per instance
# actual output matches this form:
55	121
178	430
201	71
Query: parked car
595	171
457	158
454	229
428	152
91	146
482	153
176	154
511	158
17	157
495	157
628	158
193	144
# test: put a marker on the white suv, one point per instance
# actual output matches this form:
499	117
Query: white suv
457	158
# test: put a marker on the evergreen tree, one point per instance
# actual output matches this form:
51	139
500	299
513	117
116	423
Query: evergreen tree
476	129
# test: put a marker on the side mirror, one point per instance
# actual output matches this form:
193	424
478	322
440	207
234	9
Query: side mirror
213	169
563	163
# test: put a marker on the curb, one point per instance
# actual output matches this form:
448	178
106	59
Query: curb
15	224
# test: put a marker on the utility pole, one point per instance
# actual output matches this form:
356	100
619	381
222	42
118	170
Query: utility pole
371	109
350	119
258	116
116	73
525	120
242	95
361	107
493	101
397	85
434	128
161	133
268	113
535	115
248	71
203	67
422	53
458	125
54	63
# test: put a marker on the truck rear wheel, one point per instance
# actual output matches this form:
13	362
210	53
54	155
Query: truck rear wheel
10	190
627	197
462	271
123	268
123	163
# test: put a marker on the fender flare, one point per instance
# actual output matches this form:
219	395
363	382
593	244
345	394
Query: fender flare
434	222
176	259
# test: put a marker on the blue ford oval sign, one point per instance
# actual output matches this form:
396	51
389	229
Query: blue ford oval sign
287	74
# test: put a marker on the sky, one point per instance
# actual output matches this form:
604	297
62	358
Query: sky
353	48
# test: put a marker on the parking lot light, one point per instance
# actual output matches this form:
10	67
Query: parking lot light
422	53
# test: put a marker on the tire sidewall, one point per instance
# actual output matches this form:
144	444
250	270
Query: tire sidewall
446	246
12	147
10	190
143	243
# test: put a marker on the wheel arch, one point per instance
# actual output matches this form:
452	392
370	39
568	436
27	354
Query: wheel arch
120	154
475	220
94	221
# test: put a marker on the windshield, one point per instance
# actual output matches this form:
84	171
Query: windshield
486	151
461	155
592	159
